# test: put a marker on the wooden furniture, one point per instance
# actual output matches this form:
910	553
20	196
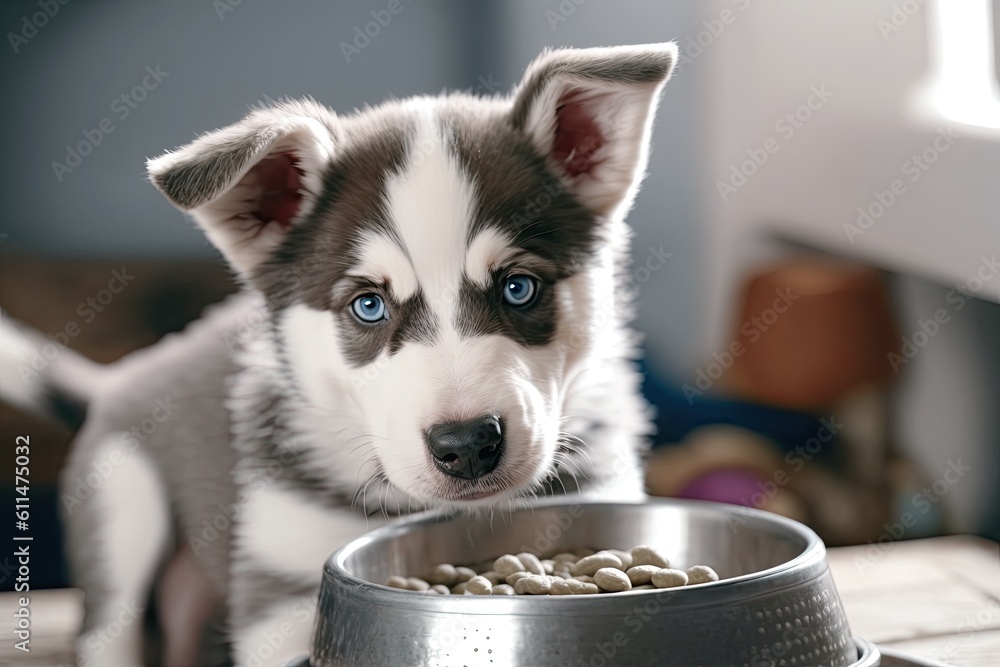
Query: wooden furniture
937	599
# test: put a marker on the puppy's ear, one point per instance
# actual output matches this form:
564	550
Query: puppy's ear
247	185
589	112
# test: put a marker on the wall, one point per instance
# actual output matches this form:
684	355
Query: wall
937	231
218	59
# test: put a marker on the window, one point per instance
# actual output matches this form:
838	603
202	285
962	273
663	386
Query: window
963	80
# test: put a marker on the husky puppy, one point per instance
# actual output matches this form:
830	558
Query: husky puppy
434	316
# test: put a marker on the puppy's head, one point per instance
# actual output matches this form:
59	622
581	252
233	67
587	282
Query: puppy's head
439	269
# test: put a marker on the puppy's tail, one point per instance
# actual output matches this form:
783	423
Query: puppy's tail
41	376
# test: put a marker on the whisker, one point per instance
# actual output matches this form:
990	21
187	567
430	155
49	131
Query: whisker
517	239
364	492
572	469
373	456
535	236
359	490
559	479
363	444
572	444
395	498
571	466
412	466
574	438
385	507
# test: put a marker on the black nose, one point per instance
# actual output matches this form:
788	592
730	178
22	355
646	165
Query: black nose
467	449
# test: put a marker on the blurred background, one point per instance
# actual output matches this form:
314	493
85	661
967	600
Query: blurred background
816	243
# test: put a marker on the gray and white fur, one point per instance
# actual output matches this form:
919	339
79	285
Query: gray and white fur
284	423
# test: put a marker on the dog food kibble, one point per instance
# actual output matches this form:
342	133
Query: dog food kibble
583	572
531	564
591	564
560	587
494	577
533	584
479	585
417	584
442	574
646	555
641	574
701	574
612	580
624	556
667	578
507	565
513	579
572	587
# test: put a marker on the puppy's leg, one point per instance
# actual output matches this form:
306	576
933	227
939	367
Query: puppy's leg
187	603
282	540
117	538
282	632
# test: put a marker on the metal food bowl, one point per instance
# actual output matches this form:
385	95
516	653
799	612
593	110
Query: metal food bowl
775	604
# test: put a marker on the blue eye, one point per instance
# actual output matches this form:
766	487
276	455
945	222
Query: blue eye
369	308
519	290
